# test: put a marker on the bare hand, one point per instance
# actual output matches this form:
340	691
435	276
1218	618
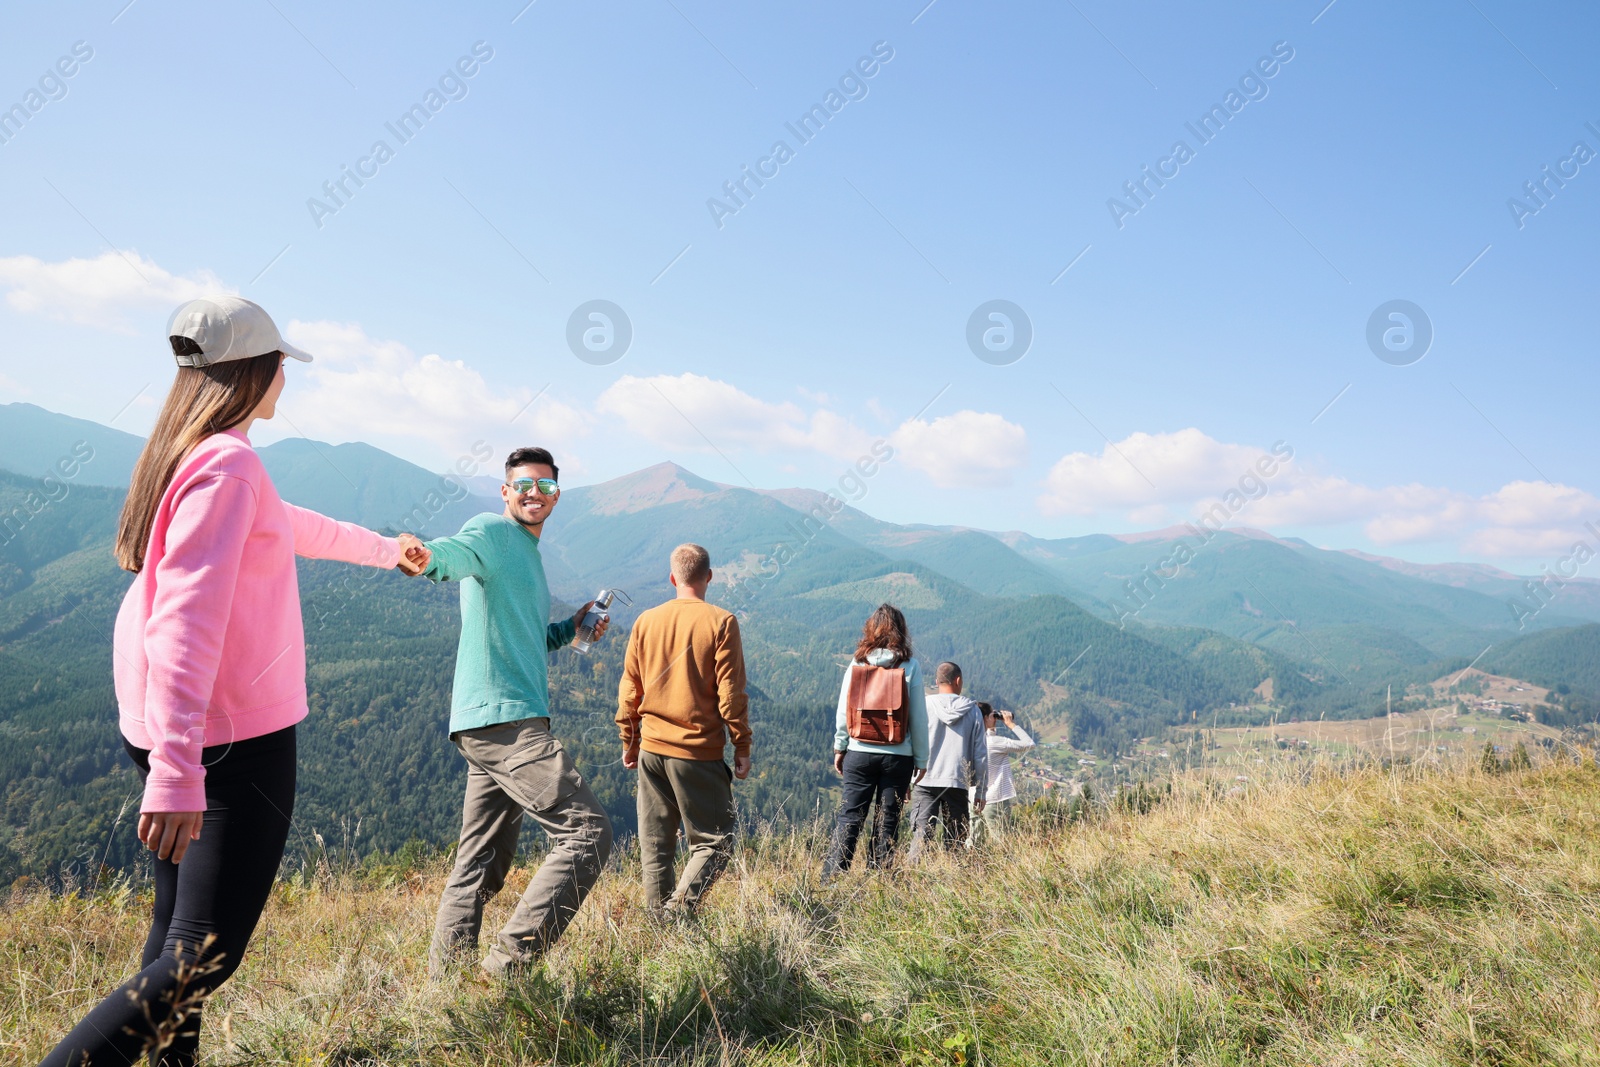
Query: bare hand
741	767
1009	718
630	755
415	555
838	763
921	771
168	833
977	805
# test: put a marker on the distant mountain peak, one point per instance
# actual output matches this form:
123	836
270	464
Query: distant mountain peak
1173	533
663	483
1167	533
1447	573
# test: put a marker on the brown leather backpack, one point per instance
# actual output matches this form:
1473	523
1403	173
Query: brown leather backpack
879	705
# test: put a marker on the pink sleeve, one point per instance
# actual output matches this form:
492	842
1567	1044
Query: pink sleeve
194	587
318	537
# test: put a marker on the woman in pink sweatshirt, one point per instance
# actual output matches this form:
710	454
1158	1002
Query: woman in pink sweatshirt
210	665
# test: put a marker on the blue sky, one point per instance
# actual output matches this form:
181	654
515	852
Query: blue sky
577	161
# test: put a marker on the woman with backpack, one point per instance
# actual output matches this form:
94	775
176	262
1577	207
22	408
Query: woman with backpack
210	666
880	740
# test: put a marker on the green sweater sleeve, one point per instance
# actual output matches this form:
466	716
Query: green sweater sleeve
558	634
468	554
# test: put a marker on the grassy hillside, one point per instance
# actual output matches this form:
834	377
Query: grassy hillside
1373	918
1568	657
1567	662
1244	666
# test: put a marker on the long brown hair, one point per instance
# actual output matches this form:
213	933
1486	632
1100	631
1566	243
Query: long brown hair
885	628
201	402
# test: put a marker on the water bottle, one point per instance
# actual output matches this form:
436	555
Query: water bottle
584	639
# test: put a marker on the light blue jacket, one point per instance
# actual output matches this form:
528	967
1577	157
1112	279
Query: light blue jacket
916	742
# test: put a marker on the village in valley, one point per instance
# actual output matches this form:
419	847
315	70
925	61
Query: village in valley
1452	718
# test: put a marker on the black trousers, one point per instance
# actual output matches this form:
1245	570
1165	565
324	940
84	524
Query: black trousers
206	908
869	779
946	806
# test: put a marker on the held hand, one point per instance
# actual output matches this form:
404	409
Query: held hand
838	763
577	620
630	755
741	767
168	833
416	555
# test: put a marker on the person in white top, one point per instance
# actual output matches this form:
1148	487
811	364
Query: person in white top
1001	789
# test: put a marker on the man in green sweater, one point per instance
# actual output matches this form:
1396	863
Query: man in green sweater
500	721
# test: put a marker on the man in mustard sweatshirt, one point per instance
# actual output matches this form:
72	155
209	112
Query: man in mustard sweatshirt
681	701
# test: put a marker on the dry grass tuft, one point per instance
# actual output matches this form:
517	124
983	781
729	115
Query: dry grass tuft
1373	917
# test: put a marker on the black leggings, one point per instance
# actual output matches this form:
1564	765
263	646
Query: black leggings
869	778
217	892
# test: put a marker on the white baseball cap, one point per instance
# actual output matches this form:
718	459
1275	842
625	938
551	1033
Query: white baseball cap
216	329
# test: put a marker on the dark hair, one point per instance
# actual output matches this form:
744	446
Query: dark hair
201	401
885	628
524	456
946	673
986	708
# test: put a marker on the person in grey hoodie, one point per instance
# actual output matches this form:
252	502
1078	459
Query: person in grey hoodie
878	775
958	758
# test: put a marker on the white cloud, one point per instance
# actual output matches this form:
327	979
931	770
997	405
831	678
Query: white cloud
1191	474
696	413
1393	513
1143	470
100	292
359	388
1516	521
954	448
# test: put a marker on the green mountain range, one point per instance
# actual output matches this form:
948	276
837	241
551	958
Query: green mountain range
1253	627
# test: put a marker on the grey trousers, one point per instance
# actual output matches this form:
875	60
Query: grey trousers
698	794
989	825
944	807
513	768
